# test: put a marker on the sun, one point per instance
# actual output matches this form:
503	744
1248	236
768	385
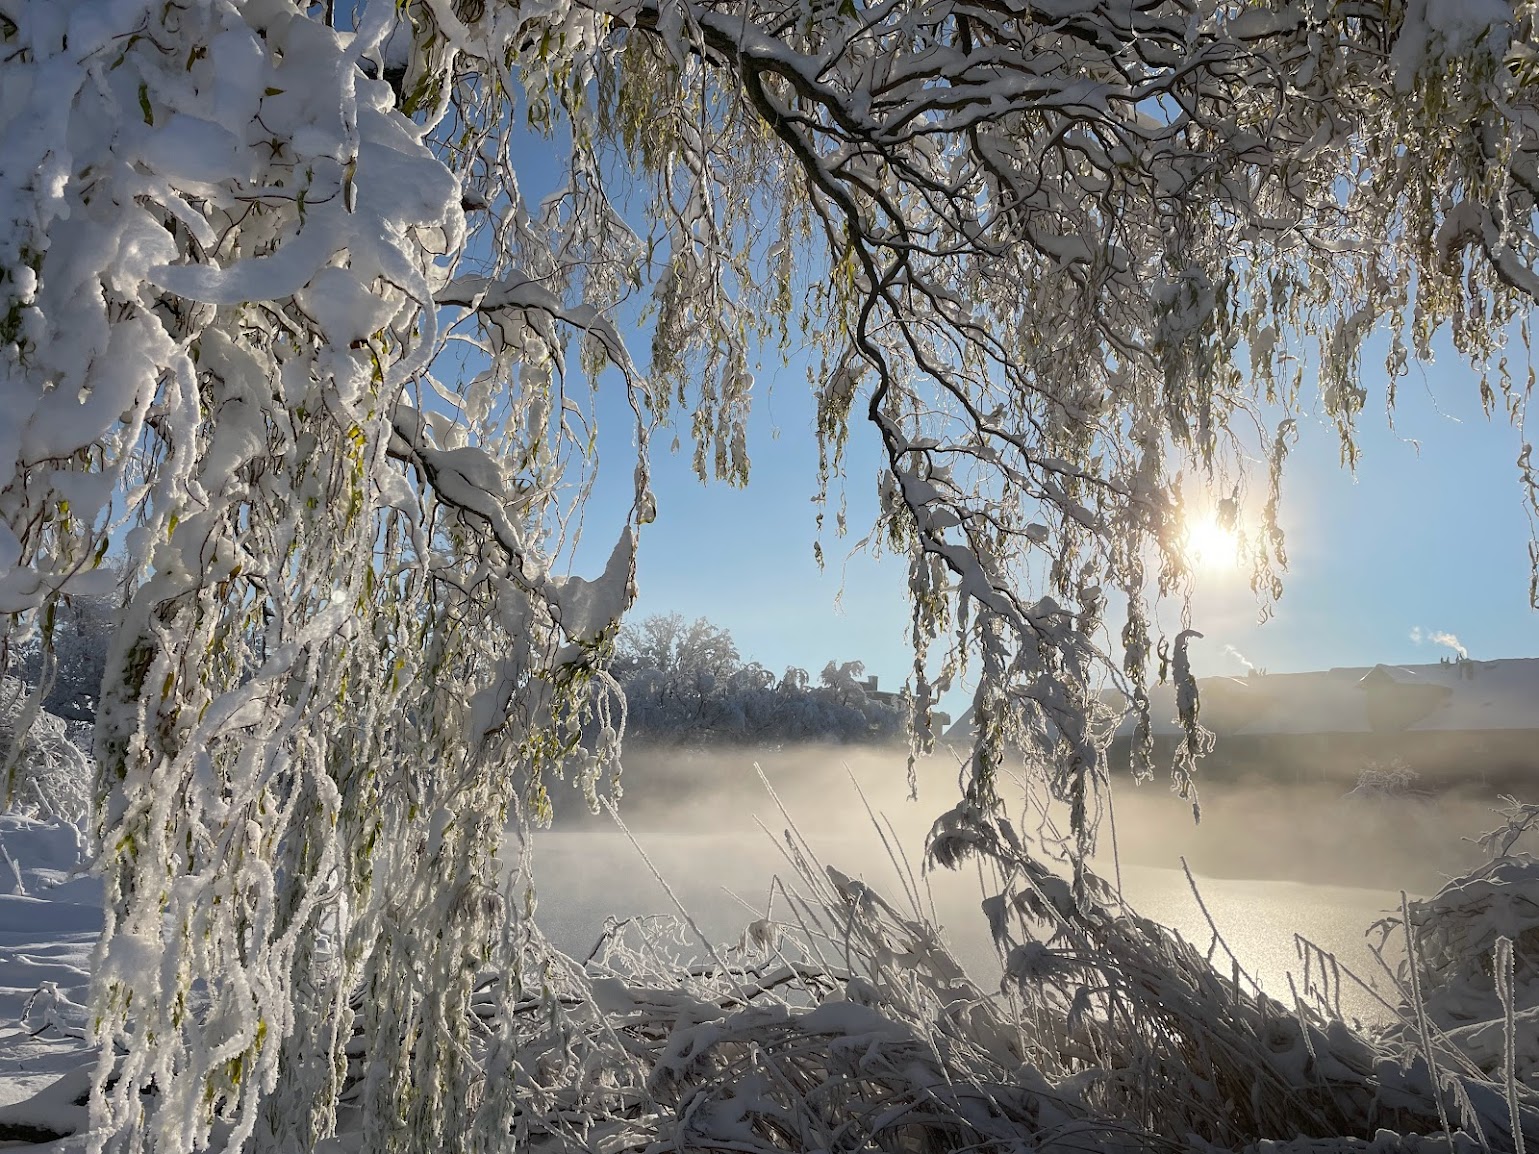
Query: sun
1209	545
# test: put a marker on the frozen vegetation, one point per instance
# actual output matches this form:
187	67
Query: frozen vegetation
280	325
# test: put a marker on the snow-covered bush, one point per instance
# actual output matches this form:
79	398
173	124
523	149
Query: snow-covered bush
1376	782
43	768
846	1018
72	659
1471	971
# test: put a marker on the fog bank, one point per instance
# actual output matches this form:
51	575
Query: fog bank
1270	860
1311	831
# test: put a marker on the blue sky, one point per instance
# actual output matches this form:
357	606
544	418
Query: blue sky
1429	537
743	557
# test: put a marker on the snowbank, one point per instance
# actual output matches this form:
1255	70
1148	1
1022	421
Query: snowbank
50	918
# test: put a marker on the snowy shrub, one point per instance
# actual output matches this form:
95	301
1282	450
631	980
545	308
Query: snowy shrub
42	765
1472	953
845	1019
1380	782
72	660
1117	1005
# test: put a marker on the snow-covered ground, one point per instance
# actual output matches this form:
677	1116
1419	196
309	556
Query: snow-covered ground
50	917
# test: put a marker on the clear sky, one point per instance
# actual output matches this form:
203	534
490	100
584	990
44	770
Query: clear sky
1430	537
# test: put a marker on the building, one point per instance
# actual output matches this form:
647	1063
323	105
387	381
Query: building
887	697
1450	722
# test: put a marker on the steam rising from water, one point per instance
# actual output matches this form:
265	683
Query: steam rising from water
1268	828
1271	859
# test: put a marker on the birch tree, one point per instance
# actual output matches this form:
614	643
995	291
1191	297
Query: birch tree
1055	257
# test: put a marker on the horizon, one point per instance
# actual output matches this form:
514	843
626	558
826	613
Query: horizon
1420	552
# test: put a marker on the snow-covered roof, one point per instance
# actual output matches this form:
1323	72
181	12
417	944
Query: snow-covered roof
1459	696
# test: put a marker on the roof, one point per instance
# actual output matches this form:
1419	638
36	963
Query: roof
1458	696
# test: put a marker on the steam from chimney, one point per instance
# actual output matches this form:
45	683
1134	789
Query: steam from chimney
1452	642
1439	637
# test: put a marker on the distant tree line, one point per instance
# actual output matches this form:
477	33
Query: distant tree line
686	684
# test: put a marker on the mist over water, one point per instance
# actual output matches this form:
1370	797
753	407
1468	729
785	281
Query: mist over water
1270	860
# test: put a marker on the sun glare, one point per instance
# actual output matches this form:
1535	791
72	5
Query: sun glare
1209	546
